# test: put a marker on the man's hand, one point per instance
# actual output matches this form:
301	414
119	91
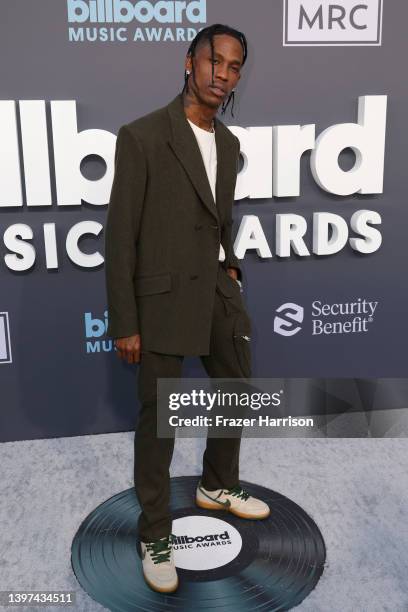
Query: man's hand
233	273
129	348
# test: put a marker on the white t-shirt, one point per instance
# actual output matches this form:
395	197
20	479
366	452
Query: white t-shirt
208	148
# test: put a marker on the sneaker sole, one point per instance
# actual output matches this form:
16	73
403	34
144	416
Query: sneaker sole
209	506
161	589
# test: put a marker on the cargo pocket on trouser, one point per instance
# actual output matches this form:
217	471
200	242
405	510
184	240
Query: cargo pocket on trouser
242	343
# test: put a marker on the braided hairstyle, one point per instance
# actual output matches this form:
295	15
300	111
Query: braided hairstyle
208	34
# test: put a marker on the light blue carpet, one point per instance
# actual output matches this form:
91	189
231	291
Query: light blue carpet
355	490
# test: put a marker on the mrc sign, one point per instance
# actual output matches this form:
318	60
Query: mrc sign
271	168
332	22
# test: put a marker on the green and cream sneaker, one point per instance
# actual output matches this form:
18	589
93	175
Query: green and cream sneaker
159	570
235	500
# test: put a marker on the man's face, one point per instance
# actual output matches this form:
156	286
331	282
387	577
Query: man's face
228	57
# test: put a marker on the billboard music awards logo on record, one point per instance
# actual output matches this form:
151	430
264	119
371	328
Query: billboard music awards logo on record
326	319
130	20
5	345
327	22
204	542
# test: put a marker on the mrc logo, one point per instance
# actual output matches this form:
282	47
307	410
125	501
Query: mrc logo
5	344
332	22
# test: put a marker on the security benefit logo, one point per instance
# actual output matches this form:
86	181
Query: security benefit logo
143	21
5	345
325	319
204	543
327	22
288	318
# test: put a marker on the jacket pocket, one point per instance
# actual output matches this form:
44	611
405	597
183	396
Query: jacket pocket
242	340
226	284
150	285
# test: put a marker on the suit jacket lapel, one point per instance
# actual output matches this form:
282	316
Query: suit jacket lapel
185	146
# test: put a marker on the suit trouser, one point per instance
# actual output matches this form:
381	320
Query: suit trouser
229	358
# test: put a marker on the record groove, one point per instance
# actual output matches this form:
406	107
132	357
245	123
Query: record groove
269	565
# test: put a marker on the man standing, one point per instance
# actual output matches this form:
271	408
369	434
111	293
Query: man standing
173	280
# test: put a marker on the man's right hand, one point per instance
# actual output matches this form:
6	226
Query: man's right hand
129	348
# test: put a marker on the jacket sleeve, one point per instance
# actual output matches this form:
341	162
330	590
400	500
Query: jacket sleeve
121	231
231	259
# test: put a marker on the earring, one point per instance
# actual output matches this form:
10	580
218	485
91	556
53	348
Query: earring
187	72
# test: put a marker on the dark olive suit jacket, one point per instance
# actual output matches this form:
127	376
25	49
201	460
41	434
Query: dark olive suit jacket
163	231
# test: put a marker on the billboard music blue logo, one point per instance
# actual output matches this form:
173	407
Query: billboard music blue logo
115	20
125	11
95	330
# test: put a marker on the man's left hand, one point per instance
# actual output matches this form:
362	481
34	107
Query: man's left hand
233	273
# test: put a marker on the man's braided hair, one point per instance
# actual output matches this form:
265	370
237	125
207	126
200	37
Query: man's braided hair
208	34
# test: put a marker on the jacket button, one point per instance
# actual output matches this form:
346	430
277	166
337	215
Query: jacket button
198	226
194	277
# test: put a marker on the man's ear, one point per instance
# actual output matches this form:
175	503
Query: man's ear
188	63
